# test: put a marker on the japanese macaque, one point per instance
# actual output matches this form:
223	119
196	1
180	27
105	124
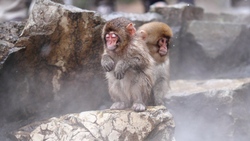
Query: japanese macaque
157	37
128	65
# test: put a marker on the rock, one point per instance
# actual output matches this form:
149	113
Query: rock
9	34
227	18
241	3
138	19
212	50
177	14
108	125
215	6
208	110
58	71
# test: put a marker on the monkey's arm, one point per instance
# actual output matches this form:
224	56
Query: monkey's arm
139	62
120	68
136	63
107	62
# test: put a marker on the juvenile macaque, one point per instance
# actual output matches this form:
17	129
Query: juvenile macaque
128	65
157	38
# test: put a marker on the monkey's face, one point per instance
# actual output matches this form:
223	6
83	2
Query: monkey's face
111	40
117	34
163	46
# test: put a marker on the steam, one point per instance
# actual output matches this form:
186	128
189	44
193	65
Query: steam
45	50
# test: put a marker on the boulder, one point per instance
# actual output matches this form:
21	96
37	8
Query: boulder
216	109
241	3
9	34
215	6
177	14
108	125
138	19
58	70
227	18
211	50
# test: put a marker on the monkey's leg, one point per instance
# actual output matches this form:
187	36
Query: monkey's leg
160	90
137	96
120	101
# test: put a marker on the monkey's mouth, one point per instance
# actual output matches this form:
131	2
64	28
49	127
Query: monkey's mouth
163	52
111	45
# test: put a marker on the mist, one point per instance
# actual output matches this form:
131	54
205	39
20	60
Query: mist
57	70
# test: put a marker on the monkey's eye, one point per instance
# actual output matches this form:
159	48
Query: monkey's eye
113	35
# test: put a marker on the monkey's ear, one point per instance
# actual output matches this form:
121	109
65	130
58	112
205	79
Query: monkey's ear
143	34
131	29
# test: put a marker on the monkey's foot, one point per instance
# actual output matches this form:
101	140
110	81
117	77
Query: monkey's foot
139	107
118	106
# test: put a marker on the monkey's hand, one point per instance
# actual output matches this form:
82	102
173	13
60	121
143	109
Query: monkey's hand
107	63
120	69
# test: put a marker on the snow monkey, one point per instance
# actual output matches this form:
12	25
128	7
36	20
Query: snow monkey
128	65
157	38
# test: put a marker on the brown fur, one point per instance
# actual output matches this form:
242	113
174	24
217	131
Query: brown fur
129	73
155	31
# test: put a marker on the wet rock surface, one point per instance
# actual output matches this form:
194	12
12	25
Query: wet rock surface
212	50
211	110
176	15
9	34
57	65
138	19
125	125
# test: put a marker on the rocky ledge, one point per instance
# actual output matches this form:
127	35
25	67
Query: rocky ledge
108	125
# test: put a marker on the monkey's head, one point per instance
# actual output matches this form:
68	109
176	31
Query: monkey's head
157	37
117	33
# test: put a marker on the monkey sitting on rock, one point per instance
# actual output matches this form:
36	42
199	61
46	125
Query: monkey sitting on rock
130	65
157	38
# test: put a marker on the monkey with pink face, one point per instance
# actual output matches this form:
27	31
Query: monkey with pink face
128	65
157	36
